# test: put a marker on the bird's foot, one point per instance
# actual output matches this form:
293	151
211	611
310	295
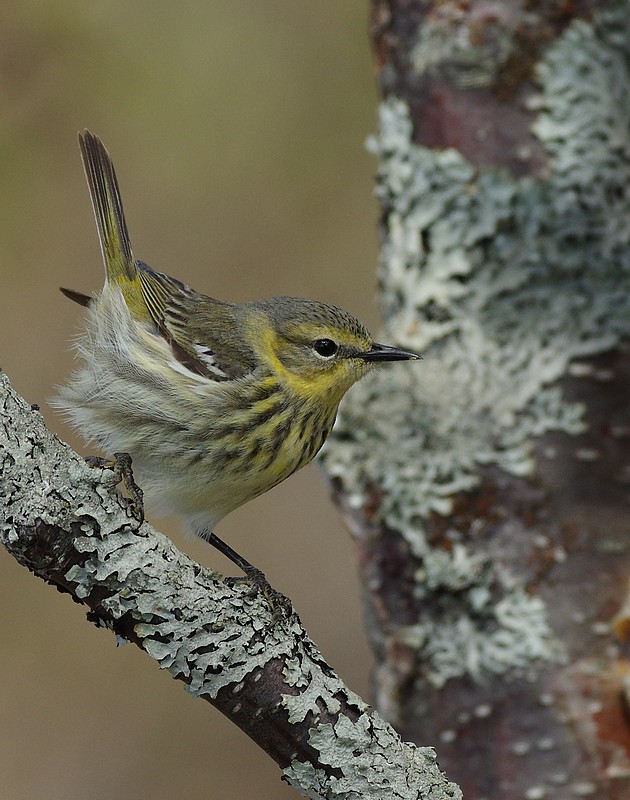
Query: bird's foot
279	604
120	464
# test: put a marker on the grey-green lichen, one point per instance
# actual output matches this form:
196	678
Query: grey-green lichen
511	632
319	690
500	283
447	40
366	771
172	599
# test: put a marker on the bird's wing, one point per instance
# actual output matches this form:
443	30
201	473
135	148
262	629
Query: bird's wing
204	333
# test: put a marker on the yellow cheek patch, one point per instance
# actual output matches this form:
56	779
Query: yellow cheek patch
268	351
314	384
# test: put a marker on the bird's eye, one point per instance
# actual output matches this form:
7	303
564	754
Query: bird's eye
325	347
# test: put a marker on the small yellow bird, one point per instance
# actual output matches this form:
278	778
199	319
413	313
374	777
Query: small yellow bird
215	402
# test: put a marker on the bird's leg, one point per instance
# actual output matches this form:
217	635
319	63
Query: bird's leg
120	464
259	583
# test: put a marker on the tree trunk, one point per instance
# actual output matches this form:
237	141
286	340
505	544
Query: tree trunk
492	516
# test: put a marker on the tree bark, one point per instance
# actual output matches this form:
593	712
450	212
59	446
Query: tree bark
67	524
488	493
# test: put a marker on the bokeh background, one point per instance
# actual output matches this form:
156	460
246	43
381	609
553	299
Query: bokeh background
238	130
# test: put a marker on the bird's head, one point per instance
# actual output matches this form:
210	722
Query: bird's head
319	350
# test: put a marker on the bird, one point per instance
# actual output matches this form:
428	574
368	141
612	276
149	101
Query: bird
215	402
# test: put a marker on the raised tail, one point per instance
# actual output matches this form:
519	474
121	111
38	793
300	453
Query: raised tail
120	265
108	210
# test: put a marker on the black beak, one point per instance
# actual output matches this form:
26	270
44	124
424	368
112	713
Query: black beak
382	352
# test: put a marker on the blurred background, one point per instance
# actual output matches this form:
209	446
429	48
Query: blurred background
238	131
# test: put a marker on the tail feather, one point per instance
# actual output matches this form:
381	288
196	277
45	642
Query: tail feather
108	209
77	297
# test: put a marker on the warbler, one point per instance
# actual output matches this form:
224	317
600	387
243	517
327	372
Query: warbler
215	402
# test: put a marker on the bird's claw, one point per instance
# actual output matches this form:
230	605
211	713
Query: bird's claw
279	604
120	464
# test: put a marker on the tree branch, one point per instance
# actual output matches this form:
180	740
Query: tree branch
61	520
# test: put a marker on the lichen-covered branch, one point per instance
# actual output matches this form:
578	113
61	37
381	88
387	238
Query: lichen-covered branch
62	521
488	490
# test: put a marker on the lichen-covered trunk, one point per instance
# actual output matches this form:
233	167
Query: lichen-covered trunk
489	491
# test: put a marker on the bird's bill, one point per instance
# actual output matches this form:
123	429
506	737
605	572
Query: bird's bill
382	352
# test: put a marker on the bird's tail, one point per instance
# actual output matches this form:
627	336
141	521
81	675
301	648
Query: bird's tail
120	265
